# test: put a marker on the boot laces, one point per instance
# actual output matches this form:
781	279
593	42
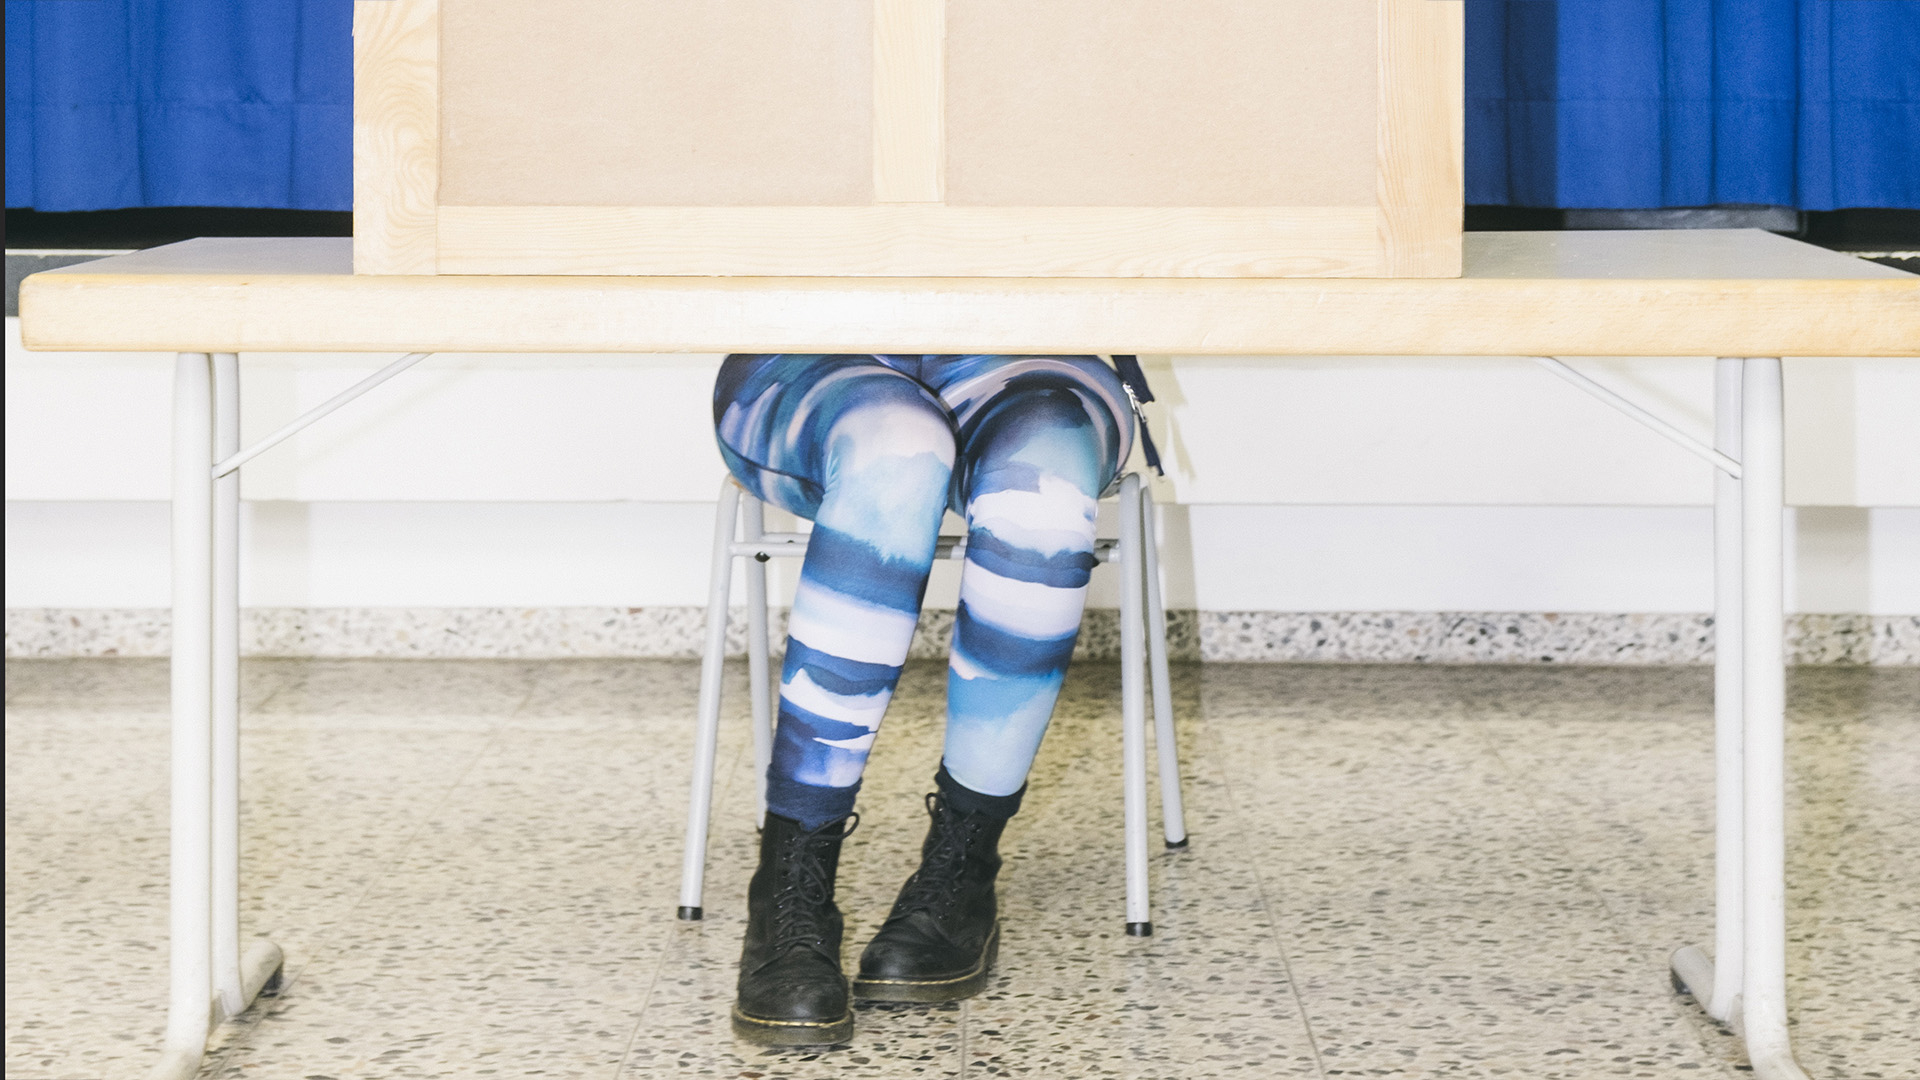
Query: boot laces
800	908
936	885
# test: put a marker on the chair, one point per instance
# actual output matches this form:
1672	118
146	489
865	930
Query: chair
741	513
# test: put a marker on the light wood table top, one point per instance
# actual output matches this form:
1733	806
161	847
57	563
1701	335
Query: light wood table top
1643	293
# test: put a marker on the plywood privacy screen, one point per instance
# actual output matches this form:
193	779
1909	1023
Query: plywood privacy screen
1002	138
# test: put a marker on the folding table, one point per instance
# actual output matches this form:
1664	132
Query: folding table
1747	298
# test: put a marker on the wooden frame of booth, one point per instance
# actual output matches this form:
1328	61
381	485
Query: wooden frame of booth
1408	225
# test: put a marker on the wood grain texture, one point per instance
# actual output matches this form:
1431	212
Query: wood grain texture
1422	136
1593	295
909	101
910	241
396	135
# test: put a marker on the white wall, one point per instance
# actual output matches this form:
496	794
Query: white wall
1300	484
1217	558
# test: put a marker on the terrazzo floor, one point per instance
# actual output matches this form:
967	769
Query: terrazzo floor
1395	872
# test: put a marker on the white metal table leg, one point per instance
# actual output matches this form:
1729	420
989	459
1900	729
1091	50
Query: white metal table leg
238	976
1173	814
1745	983
693	863
1133	707
1715	982
228	993
1729	695
210	977
758	650
189	920
1761	1015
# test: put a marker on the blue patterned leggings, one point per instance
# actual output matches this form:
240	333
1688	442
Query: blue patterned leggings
874	449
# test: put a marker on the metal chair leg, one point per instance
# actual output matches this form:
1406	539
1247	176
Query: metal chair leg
1173	815
759	649
1133	706
693	864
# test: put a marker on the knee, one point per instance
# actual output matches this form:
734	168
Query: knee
888	469
890	438
1047	445
899	428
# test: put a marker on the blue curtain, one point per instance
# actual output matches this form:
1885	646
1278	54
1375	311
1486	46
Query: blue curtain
118	103
1570	103
1630	104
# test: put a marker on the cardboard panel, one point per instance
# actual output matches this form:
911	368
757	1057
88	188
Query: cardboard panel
1161	102
656	102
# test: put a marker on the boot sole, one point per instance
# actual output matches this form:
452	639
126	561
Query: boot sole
792	1032
946	988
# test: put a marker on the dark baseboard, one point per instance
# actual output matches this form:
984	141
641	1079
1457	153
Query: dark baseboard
151	226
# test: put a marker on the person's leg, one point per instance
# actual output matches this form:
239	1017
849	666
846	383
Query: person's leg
1035	462
1036	452
867	453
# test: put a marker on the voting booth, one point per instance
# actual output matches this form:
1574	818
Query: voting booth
910	138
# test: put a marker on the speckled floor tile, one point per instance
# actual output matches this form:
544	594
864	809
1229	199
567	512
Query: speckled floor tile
108	774
459	990
1535	986
1634	801
1438	925
412	693
327	813
1395	871
323	812
1415	802
86	950
519	928
120	684
1616	767
614	695
92	684
1854	874
1208	995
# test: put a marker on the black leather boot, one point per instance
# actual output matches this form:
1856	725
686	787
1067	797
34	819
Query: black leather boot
940	940
792	992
